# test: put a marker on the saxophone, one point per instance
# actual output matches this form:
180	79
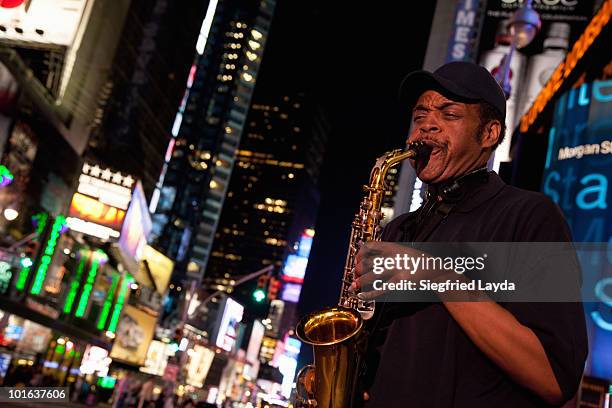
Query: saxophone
337	333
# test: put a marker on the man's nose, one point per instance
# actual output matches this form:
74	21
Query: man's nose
429	125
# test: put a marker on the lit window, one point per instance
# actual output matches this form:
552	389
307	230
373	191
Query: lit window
254	45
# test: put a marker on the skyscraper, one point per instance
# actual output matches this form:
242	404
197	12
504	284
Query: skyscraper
272	196
207	130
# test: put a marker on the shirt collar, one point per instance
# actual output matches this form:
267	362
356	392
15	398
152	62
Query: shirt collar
481	193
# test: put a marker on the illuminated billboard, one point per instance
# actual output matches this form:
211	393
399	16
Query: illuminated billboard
134	334
99	206
295	268
157	358
137	225
291	292
228	329
200	360
159	265
91	210
95	360
257	334
43	21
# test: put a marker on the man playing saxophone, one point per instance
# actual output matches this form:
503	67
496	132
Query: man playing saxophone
482	353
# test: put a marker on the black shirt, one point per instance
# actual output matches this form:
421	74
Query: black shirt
420	357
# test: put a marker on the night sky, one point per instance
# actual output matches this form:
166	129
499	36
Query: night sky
350	58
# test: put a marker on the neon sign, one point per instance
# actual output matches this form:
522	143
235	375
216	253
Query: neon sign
76	283
127	281
45	261
108	302
6	177
98	257
40	222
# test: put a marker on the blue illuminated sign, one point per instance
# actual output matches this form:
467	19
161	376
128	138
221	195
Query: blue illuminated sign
577	175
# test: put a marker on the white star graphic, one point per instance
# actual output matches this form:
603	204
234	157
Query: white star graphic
95	171
117	178
106	174
128	181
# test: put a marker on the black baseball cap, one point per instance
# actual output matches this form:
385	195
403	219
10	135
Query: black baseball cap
463	81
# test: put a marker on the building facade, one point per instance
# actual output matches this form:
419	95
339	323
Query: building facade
207	131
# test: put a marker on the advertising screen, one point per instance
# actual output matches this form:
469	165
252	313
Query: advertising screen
228	329
577	175
43	21
160	267
295	268
99	205
157	358
137	225
257	334
200	360
91	210
291	292
134	333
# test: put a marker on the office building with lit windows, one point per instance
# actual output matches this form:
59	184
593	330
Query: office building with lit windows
272	196
207	131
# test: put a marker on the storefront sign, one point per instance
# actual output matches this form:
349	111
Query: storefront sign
99	206
463	44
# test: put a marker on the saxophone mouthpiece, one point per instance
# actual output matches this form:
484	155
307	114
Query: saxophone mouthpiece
421	151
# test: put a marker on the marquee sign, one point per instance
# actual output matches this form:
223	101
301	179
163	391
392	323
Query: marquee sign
99	206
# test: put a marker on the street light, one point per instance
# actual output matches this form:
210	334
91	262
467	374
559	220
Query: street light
524	25
10	213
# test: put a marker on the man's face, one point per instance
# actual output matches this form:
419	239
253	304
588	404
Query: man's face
452	130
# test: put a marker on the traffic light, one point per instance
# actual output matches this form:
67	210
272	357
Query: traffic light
273	288
259	294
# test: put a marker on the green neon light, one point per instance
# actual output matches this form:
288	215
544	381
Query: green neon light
91	277
41	222
45	261
22	278
75	284
127	281
108	302
6	177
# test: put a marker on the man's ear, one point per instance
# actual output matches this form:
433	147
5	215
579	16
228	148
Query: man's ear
491	133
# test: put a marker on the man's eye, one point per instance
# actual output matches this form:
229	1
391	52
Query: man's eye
450	115
417	118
